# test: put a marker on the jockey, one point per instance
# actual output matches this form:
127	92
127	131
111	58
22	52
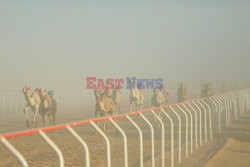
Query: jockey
107	91
163	90
51	93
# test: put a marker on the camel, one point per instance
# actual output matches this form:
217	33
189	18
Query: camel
159	99
33	103
116	97
104	106
206	90
48	107
136	98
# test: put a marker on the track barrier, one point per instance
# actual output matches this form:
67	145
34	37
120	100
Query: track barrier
201	117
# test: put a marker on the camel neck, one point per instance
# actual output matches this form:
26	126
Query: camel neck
27	97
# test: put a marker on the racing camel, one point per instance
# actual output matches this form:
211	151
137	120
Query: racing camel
33	103
136	98
48	106
159	98
104	106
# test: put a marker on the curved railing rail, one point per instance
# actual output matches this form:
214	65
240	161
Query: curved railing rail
197	112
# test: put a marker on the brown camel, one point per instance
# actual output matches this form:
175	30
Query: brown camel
104	106
48	107
33	103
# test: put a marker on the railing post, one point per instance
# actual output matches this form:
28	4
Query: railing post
162	139
200	121
54	147
210	118
179	119
205	120
3	103
228	108
186	128
191	128
108	163
195	115
218	99
172	136
231	101
215	101
152	139
83	143
140	139
125	143
11	101
235	106
14	152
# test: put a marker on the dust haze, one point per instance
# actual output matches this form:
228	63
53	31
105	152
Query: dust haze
56	45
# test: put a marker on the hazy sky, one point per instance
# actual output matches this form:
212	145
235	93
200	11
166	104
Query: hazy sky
57	44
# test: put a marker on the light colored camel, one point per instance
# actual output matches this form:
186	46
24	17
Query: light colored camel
117	97
104	106
33	103
136	99
48	107
159	99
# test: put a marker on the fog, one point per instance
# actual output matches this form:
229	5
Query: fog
56	45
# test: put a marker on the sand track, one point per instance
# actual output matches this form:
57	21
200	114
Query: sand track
231	145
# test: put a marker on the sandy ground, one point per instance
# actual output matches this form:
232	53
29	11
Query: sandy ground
230	148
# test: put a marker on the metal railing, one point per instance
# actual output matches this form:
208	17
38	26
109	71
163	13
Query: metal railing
196	113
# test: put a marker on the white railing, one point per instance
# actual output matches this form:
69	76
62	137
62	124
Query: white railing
203	114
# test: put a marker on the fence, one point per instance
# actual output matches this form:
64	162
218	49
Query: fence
201	118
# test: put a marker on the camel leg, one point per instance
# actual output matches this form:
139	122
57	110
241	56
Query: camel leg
140	107
35	117
52	113
132	107
50	119
26	112
97	115
105	126
119	109
43	118
54	119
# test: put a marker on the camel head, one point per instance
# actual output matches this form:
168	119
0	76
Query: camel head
97	92
156	91
26	89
